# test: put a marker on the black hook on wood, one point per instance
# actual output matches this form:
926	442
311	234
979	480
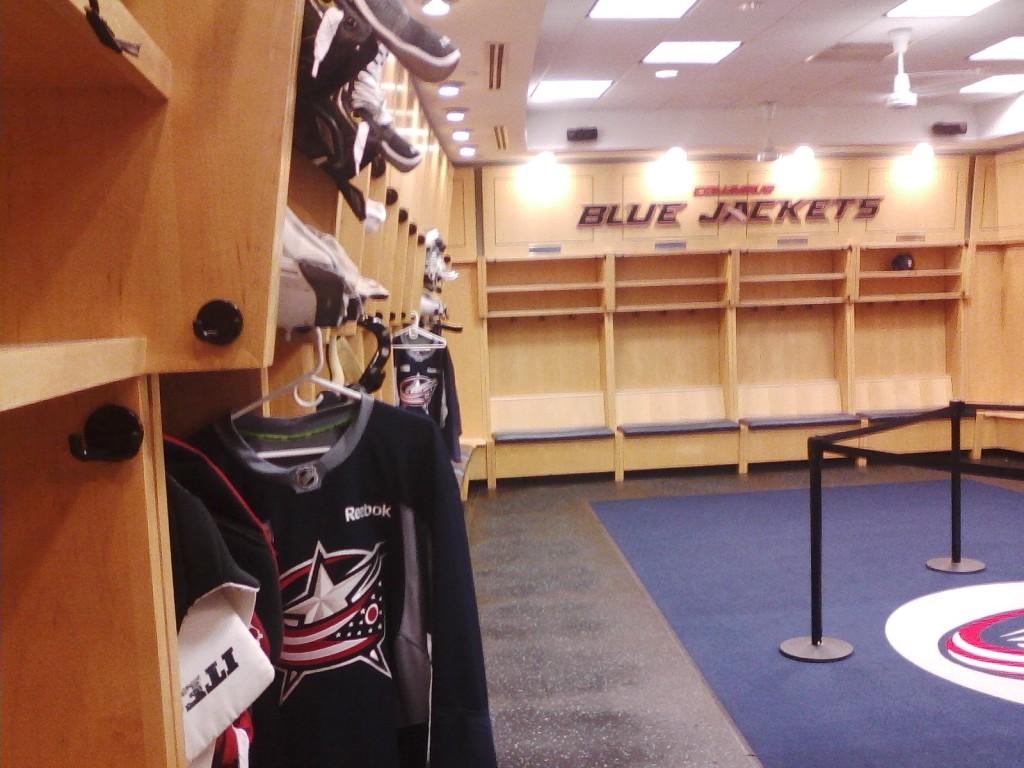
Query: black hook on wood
111	433
373	377
218	322
105	33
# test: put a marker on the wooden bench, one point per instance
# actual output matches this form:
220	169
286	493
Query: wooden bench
679	427
879	398
549	434
467	446
541	435
985	421
669	428
776	419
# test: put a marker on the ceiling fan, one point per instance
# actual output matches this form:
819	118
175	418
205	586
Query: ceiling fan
903	96
768	153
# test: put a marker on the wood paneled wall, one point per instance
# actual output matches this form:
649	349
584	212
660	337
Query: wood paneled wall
900	341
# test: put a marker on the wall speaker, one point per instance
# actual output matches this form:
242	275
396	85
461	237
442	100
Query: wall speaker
581	134
949	129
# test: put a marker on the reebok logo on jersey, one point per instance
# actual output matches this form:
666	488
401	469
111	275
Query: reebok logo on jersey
352	514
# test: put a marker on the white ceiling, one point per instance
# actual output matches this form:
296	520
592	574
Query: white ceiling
716	109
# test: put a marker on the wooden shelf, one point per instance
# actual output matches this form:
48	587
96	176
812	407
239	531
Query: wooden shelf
791	302
686	305
670	282
837	250
663	254
907	274
529	288
1000	242
802	277
49	44
909	245
32	373
882	298
546	257
561	311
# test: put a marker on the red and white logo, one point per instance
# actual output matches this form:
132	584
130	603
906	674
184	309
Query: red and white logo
416	391
993	644
333	614
972	636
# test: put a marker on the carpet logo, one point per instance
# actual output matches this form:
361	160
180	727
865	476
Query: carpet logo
972	636
993	644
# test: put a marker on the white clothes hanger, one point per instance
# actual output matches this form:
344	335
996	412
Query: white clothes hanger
413	333
312	376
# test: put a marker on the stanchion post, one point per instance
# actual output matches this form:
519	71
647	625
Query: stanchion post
955	563
816	648
956	414
815	454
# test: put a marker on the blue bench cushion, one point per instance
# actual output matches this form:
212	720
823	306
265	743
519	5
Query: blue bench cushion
894	413
679	427
809	420
569	433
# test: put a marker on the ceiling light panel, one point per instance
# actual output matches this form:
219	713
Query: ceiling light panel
436	8
924	9
640	9
691	52
1010	49
567	90
998	84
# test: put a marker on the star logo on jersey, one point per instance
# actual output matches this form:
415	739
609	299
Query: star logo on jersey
337	616
972	636
417	391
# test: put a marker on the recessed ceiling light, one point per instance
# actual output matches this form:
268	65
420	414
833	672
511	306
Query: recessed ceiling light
564	90
996	84
467	151
674	155
923	152
640	9
1010	49
923	9
450	90
461	135
436	8
455	115
803	154
665	74
691	52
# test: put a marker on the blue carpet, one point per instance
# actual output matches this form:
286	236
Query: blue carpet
731	574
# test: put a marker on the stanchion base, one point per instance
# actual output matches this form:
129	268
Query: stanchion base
946	565
829	649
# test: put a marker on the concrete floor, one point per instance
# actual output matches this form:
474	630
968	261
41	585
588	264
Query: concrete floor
583	670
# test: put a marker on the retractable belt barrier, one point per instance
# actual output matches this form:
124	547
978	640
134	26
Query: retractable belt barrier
819	648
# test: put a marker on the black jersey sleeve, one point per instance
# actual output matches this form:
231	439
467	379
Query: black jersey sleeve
460	723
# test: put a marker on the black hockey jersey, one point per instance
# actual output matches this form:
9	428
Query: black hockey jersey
426	384
223	664
373	558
